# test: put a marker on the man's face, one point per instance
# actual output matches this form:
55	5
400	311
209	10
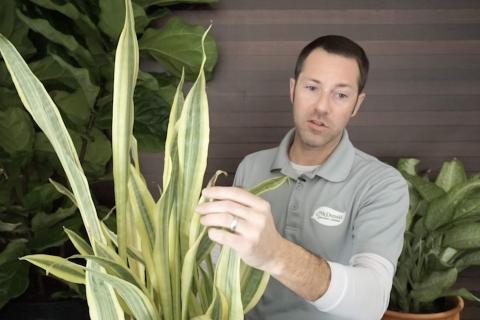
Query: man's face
324	97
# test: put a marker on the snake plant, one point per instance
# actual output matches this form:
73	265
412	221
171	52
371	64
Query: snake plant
158	264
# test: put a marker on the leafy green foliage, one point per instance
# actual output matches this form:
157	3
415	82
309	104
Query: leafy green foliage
70	46
442	237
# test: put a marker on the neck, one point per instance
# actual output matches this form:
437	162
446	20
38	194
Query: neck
302	154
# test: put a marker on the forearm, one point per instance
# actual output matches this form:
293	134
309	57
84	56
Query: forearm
337	289
364	285
302	272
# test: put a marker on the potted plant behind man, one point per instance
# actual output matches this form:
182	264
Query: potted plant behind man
442	239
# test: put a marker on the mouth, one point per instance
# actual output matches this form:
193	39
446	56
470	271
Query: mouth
317	124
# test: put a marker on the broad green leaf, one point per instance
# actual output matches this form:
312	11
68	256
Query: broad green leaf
82	23
408	165
434	285
178	45
75	49
464	293
441	210
73	105
79	243
16	130
7	17
42	220
470	259
14	29
14	279
428	190
83	79
468	207
463	236
452	174
112	17
98	153
59	267
9	227
54	236
41	196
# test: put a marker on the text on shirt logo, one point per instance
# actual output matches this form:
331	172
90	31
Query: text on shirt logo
328	216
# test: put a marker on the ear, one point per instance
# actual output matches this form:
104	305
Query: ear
360	99
292	89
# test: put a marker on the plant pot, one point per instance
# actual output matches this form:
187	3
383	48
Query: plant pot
452	314
73	309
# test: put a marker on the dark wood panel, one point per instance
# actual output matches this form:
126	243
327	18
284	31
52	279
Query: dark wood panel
345	4
380	149
385	87
359	32
464	72
243	102
377	118
357	134
235	63
372	47
329	16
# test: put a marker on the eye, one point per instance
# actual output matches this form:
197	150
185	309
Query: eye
310	88
341	96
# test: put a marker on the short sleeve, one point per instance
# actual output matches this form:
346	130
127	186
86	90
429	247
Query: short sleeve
380	223
239	179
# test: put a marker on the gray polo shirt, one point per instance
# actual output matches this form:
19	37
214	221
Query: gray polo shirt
351	204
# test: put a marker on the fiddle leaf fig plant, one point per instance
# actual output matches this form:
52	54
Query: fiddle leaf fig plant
441	240
158	264
70	46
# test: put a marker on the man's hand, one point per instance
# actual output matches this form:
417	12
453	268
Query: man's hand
254	238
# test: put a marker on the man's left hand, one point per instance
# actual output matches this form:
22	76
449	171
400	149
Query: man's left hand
254	237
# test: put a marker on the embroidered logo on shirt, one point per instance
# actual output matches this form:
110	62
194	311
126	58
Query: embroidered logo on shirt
328	216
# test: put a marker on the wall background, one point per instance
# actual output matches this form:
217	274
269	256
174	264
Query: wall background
422	95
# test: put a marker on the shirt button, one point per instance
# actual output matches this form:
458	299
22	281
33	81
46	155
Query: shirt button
299	186
294	206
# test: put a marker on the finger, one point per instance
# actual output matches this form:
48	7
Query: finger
224	220
223	237
228	206
235	194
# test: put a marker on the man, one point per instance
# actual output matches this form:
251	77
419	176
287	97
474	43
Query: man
331	237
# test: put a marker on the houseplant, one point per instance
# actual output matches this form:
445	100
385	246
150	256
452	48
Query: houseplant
70	46
442	239
158	264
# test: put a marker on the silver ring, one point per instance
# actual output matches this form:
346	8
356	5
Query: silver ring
234	224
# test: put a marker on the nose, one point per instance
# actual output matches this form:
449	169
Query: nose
322	105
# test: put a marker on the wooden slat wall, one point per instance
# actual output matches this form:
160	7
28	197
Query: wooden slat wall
423	91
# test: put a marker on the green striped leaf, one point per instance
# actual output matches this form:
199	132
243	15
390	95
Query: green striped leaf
79	243
125	77
59	267
43	110
137	302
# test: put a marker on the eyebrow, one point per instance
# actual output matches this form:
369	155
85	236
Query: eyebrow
339	85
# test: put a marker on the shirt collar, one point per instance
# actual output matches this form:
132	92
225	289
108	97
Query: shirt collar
335	169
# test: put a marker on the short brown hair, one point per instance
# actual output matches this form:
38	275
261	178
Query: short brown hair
338	45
